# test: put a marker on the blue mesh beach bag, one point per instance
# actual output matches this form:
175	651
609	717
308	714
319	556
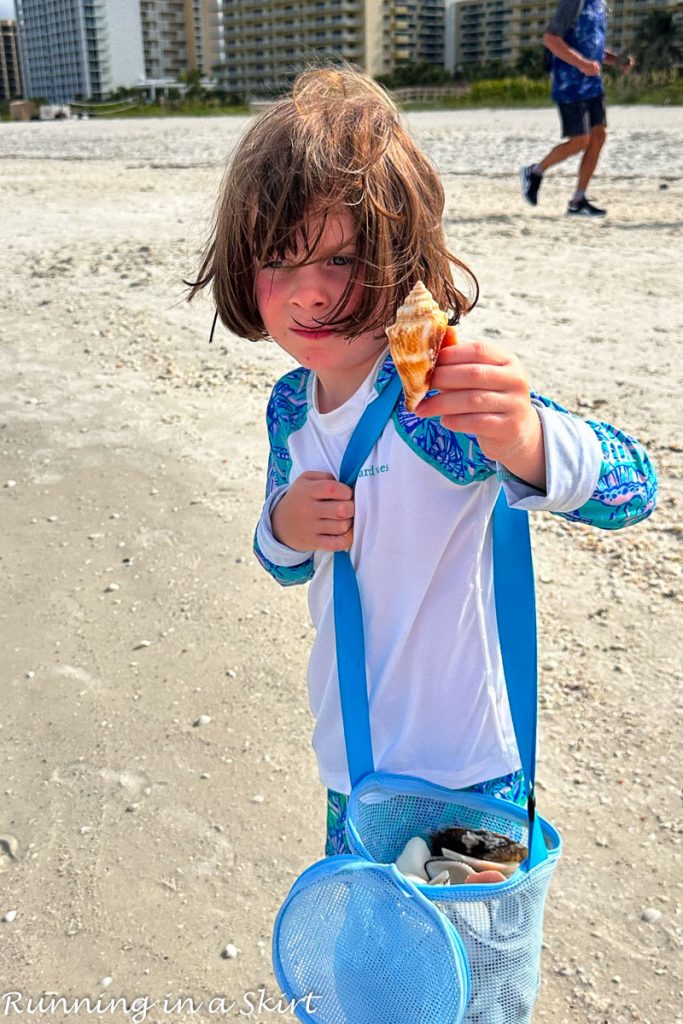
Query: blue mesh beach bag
357	942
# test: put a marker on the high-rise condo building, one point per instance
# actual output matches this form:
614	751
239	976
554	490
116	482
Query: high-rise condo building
79	49
181	34
268	41
10	74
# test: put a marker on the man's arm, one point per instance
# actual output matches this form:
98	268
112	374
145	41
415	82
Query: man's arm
620	60
565	17
569	55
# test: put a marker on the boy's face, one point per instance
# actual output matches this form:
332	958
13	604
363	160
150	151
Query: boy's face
292	300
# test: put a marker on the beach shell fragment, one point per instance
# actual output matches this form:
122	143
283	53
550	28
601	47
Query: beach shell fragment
9	851
412	859
414	342
456	871
506	868
443	878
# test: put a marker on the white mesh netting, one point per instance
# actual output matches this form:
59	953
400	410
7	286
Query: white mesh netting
501	931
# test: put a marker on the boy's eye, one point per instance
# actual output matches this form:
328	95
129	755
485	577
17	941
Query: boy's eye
338	260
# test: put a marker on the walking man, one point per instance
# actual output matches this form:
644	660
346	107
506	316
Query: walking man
576	39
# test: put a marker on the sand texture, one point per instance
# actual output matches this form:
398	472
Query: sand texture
133	470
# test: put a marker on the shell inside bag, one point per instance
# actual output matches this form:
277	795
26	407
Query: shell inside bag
479	843
457	872
414	341
411	860
506	868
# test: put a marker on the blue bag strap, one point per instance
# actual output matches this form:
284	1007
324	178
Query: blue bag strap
514	593
368	430
348	614
515	612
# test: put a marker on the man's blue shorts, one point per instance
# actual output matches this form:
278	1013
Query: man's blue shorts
578	118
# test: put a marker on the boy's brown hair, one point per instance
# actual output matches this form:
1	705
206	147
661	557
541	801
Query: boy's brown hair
335	144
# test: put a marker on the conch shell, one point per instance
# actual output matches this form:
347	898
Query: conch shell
414	342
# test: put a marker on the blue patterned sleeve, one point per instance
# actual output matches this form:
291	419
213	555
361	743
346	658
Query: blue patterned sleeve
456	456
286	412
626	490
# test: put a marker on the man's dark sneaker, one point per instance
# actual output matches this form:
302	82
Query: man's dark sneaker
530	183
584	208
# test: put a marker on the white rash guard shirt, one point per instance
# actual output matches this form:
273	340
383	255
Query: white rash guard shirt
422	554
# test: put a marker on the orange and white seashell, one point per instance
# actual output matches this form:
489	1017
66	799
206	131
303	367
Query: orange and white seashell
414	342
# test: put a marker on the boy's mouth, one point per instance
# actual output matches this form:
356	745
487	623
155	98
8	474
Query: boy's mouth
312	332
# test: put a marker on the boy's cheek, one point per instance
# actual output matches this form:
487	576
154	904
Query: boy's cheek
355	297
267	295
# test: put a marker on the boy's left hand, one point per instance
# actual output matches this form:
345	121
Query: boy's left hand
485	391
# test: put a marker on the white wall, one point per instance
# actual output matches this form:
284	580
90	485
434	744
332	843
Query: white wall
374	37
124	30
449	55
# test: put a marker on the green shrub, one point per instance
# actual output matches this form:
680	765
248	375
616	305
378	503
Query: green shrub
506	89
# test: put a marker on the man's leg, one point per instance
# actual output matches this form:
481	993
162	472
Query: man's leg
591	155
570	147
579	205
574	120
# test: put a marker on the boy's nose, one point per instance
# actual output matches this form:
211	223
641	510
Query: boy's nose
309	292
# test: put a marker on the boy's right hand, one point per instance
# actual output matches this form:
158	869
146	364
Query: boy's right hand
316	514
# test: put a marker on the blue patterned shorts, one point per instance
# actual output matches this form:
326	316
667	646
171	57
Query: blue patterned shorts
510	787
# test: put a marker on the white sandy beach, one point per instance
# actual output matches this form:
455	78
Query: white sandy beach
133	468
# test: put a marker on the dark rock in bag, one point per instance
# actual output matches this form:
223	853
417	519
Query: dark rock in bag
479	843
